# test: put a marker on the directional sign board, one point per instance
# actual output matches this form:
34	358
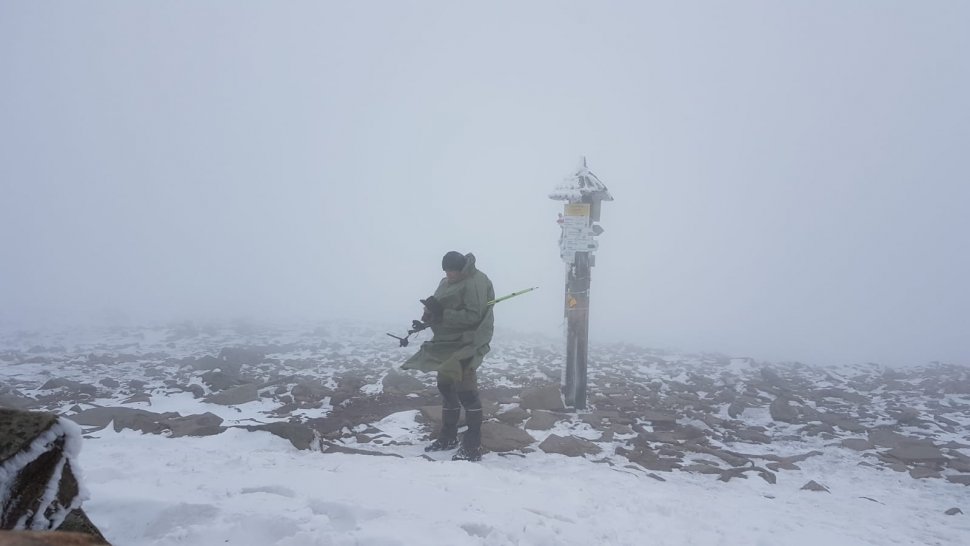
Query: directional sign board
577	234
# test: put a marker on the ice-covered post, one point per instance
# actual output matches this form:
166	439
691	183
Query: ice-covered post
583	194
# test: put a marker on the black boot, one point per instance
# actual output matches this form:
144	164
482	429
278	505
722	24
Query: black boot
471	441
448	437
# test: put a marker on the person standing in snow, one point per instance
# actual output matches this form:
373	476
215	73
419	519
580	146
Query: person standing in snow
462	321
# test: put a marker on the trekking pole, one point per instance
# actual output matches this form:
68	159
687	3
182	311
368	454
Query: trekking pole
512	295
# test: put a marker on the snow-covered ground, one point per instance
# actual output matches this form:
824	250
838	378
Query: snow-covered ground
254	488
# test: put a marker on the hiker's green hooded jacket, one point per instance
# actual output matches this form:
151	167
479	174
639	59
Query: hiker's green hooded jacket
466	326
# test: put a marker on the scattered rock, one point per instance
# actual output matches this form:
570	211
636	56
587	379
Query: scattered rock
218	380
884	437
47	538
857	444
196	390
205	424
140	397
844	422
207	362
754	436
702	469
235	396
647	458
298	434
547	397
234	358
513	416
814	486
782	411
400	383
331	447
137	384
541	420
74	387
309	393
911	451
962	479
959	462
921	472
736	408
17	402
570	446
739	472
501	437
130	418
657	417
432	415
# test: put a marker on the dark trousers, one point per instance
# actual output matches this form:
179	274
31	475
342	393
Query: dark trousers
456	395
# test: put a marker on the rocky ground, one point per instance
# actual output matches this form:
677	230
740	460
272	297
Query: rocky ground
335	388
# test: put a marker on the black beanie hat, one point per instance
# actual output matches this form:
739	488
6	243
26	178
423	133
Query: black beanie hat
453	261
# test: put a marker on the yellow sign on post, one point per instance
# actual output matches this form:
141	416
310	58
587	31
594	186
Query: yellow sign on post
576	209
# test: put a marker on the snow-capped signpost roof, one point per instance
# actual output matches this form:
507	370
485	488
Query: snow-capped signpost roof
581	186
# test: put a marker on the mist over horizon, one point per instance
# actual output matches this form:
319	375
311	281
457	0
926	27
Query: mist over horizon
790	182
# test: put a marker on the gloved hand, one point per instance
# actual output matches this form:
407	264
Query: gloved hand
417	326
434	308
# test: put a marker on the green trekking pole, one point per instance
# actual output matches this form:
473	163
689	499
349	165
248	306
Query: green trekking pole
512	295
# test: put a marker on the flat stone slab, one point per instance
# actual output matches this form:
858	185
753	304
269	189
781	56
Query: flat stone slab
570	446
884	437
400	383
916	451
501	437
205	424
857	444
235	396
298	434
962	479
131	418
921	472
17	402
658	417
541	420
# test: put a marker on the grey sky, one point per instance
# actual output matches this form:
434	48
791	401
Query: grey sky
791	179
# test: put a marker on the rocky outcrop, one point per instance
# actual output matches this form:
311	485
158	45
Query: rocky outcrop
39	489
48	538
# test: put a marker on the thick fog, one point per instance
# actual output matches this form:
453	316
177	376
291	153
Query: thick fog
791	180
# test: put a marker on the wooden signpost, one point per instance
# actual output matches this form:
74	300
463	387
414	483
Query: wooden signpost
583	193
